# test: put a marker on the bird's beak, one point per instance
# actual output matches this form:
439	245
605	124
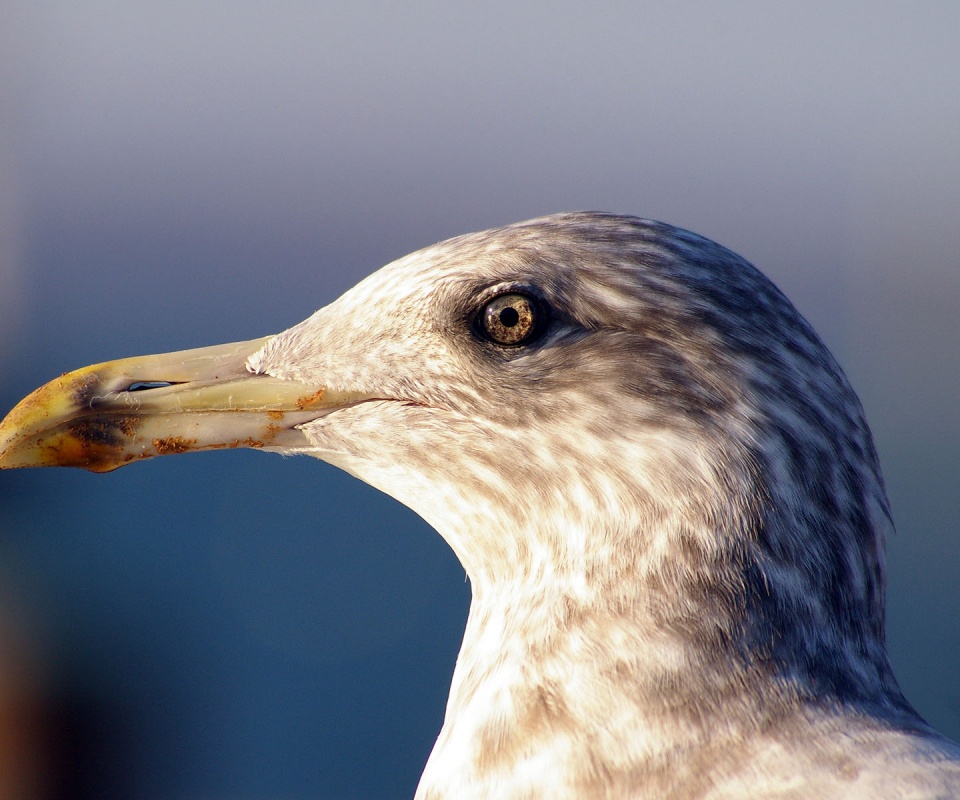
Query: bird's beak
108	415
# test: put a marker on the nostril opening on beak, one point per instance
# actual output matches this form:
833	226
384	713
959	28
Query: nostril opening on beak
143	386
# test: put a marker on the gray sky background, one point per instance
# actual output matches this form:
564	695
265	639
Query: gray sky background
184	173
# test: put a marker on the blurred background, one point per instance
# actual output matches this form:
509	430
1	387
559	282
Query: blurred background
185	173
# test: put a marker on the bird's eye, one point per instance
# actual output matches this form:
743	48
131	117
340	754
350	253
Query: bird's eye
511	319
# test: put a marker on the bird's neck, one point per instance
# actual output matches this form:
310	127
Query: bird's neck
555	684
636	671
597	657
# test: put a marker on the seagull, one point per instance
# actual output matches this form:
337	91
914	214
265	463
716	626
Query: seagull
657	478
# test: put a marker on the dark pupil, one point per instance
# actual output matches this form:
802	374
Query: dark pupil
509	317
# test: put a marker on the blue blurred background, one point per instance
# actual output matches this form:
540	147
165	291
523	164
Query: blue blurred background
185	173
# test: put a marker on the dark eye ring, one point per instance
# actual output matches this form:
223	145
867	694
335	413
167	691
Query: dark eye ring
512	318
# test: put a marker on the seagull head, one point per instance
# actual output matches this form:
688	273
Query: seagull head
598	413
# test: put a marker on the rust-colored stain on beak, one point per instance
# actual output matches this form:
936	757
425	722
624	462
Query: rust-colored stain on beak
314	400
172	445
